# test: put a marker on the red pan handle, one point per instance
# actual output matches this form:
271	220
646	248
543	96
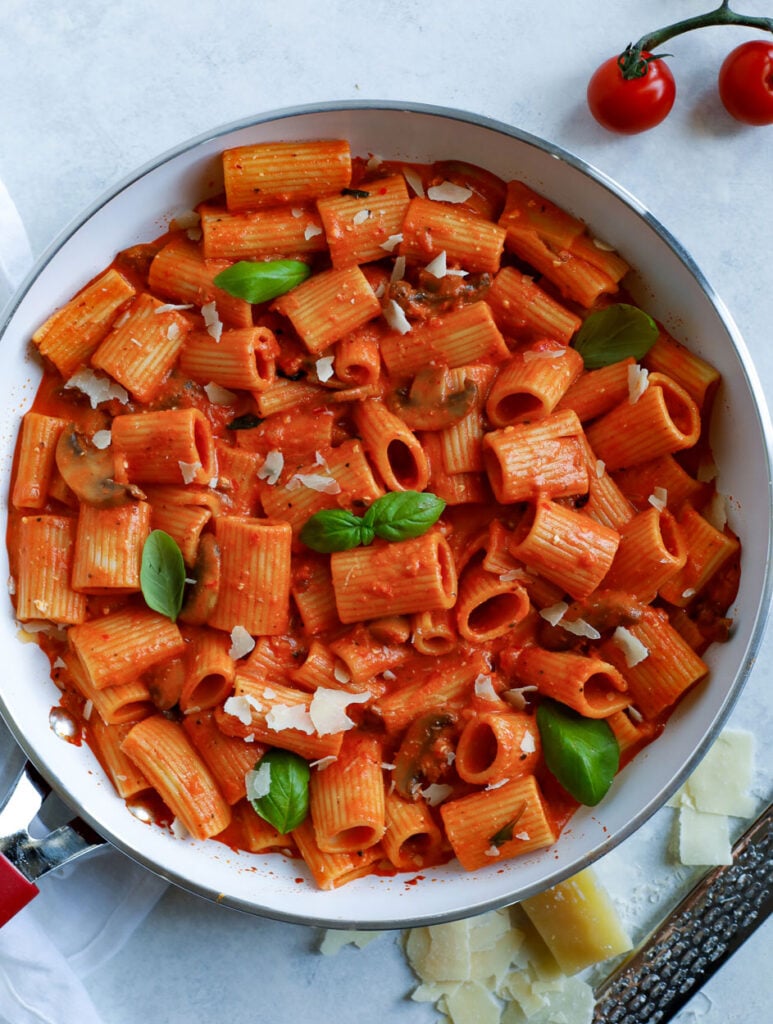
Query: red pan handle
15	890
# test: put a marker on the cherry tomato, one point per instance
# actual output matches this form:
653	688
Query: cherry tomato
631	105
746	82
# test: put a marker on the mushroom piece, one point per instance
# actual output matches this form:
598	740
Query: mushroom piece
201	598
429	403
89	471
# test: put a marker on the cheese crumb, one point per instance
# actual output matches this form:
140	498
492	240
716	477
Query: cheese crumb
398	270
102	439
328	709
659	498
638	382
290	716
189	470
314	482
311	231
396	318
272	467
484	688
515	697
633	649
258	781
97	388
241	643
413	179
579	627
324	367
219	395
438	267
323	762
436	793
334	940
240	708
447	192
361	216
212	320
391	243
555	612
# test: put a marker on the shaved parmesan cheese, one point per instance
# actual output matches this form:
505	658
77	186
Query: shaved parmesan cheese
361	216
324	368
707	471
341	673
189	470
528	746
172	331
721	782
600	468
497	785
258	781
447	192
414	181
272	467
328	709
323	762
178	829
552	353
391	243
97	388
296	212
484	688
438	266
513	574
334	940
633	649
638	382
11	584
579	627
286	716
659	498
716	512
241	643
436	793
555	612
218	395
704	839
212	320
311	231
239	707
314	482
516	698
472	1003
396	318
88	707
398	270
102	439
168	307
389	675
186	219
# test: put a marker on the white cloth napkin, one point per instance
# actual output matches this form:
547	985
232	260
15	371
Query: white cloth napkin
85	912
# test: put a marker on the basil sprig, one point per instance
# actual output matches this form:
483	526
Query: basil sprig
582	753
286	804
257	281
396	516
615	333
162	574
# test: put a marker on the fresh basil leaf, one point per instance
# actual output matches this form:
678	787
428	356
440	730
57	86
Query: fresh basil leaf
258	281
333	529
615	333
400	515
505	834
286	804
358	193
245	422
582	753
162	574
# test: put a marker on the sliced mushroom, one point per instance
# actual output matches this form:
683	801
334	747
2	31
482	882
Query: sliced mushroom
429	403
423	757
89	471
201	598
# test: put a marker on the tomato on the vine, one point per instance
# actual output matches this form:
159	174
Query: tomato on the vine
746	82
634	104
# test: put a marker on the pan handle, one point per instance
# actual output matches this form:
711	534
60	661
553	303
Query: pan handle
24	859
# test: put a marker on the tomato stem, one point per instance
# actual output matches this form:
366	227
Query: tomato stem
633	62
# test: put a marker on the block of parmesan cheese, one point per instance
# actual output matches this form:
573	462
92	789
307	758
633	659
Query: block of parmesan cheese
578	922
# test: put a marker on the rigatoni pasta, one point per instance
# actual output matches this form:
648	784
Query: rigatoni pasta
431	354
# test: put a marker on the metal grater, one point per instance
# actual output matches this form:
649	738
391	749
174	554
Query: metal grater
701	933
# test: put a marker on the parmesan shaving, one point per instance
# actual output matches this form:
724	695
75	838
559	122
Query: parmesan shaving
398	270
258	781
188	470
414	181
315	482
172	331
311	231
438	266
484	688
528	746
554	353
513	574
436	793
715	512
185	219
579	627
328	709
212	320
168	307
554	613
659	498
447	192
340	673
240	708
391	243
219	395
241	643
286	716
396	318
97	388
102	439
334	940
323	762
633	649
638	382
324	367
600	468
516	696
361	216
272	466
178	829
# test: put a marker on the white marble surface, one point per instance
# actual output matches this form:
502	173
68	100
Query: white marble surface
90	90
